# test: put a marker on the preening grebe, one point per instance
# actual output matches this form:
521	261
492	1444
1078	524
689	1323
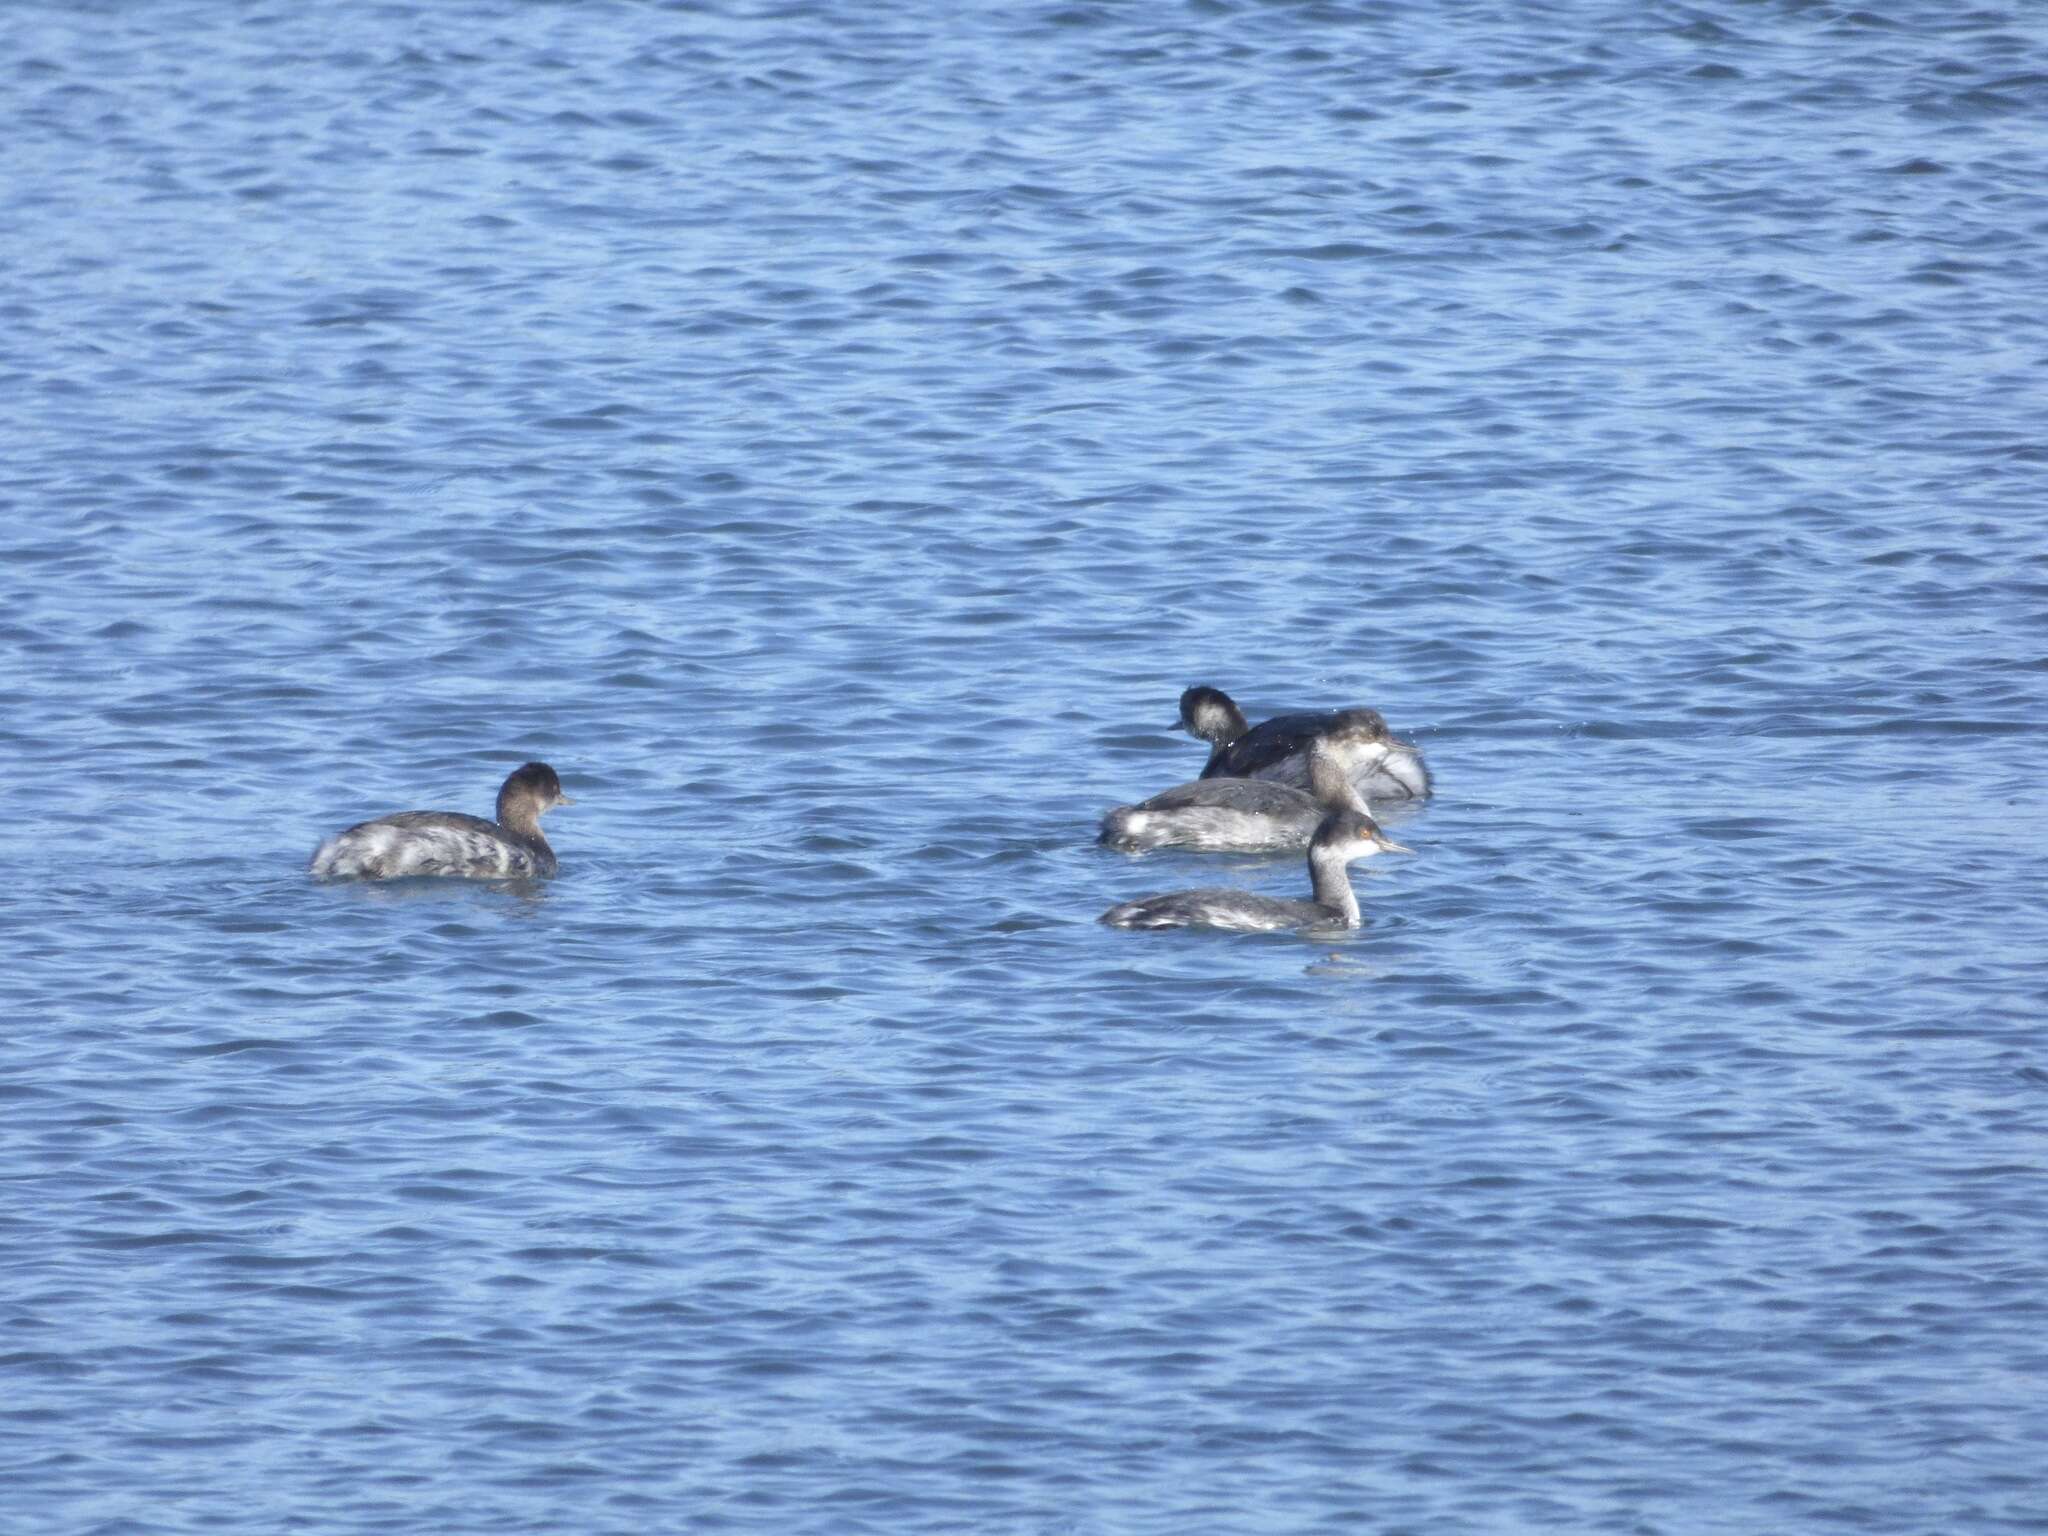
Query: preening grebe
1379	763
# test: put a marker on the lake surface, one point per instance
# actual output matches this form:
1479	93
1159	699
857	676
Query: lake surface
832	435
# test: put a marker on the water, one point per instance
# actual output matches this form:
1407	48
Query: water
833	437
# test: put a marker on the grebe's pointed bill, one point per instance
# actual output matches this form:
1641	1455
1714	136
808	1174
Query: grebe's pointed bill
1386	843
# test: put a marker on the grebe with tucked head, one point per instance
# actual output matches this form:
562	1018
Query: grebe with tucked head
1342	837
450	843
1235	815
1382	766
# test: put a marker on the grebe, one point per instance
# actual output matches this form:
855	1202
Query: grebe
1235	815
1379	763
450	843
1342	837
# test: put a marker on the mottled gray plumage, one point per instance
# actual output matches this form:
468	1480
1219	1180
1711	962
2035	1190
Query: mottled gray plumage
1234	815
450	843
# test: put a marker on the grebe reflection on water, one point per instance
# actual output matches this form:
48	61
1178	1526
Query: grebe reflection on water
1343	837
449	843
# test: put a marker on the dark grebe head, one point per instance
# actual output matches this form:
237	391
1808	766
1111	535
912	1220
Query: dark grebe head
1362	727
1359	725
1348	835
530	789
1212	715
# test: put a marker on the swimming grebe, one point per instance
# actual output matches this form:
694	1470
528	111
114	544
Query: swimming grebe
450	843
1342	837
1379	763
1235	815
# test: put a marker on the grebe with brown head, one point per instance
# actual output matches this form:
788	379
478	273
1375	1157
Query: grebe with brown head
450	843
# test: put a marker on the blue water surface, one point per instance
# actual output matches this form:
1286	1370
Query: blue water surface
832	434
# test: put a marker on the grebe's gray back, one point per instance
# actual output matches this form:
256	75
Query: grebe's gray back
1382	765
1342	837
1235	815
450	843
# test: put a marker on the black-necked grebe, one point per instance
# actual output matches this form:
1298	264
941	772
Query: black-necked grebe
1235	815
450	843
1342	837
1379	763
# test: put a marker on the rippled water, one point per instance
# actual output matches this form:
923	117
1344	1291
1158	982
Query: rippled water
833	435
